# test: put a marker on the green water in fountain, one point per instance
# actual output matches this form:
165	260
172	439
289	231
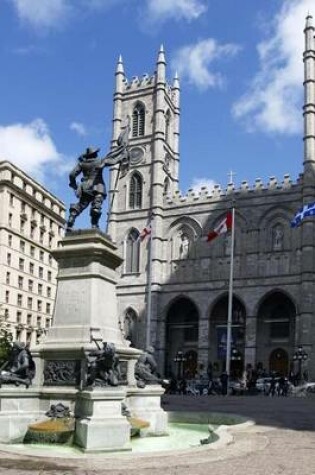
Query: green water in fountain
181	436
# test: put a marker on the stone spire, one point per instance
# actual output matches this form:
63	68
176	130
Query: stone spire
120	74
309	95
161	65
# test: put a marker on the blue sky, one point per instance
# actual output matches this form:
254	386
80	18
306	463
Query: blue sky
239	63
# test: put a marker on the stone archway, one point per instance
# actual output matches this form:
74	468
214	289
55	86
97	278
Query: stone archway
218	334
275	332
182	324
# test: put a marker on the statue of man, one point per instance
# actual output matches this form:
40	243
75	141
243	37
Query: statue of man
92	190
20	368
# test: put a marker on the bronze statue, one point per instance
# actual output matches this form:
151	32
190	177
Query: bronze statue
20	367
92	190
103	366
146	369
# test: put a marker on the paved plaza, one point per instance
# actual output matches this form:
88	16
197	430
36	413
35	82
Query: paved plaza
281	442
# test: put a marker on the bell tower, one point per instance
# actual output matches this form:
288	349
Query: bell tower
152	104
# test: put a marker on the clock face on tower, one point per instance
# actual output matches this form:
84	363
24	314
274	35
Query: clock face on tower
136	155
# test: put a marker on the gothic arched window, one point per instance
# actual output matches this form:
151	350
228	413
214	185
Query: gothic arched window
167	126
166	187
132	251
135	191
138	120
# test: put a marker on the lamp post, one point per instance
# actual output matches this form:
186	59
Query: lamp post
300	355
179	360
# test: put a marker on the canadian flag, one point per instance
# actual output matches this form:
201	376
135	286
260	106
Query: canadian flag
223	227
146	232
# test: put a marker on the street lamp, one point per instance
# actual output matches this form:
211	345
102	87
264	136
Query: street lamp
300	355
235	355
179	360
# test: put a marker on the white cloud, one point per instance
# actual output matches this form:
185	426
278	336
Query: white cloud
193	62
199	183
42	13
273	101
29	146
79	128
161	10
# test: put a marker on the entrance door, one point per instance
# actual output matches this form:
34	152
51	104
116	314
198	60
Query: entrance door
279	362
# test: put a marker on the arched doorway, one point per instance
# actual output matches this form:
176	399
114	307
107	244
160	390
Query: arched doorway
218	336
182	336
279	362
275	332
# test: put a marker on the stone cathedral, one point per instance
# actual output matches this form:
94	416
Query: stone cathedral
274	264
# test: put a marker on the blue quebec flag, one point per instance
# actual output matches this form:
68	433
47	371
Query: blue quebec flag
306	211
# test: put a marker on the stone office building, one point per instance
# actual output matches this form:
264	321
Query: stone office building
31	224
274	265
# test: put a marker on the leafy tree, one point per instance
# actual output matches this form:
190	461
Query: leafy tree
5	338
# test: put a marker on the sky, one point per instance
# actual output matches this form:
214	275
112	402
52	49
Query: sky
240	69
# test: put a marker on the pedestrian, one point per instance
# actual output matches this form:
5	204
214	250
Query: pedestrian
224	383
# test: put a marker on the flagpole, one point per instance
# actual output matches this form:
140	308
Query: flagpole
230	301
149	290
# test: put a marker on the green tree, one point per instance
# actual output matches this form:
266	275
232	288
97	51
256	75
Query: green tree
5	338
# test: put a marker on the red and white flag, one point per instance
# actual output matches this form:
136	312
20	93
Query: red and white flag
146	232
223	227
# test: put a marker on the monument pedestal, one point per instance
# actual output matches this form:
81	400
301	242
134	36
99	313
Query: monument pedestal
145	403
101	426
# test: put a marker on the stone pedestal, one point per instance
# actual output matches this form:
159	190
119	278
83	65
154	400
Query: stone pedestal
145	403
19	407
100	426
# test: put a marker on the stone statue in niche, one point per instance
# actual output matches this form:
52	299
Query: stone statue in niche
227	244
20	367
184	246
277	238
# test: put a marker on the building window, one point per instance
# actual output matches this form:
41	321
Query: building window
33	213
41	256
21	263
22	246
11	199
18	334
28	337
138	121
32	231
23	207
42	220
31	268
49	276
132	251
6	314
10	240
135	191
40	272
41	236
19	300
18	317
20	282
29	303
9	258
29	319
50	259
8	278
7	296
48	308
24	186
40	289
32	251
39	321
30	285
10	218
47	323
39	305
50	241
22	225
49	292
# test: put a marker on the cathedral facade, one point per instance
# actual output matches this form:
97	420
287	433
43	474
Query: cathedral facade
273	317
